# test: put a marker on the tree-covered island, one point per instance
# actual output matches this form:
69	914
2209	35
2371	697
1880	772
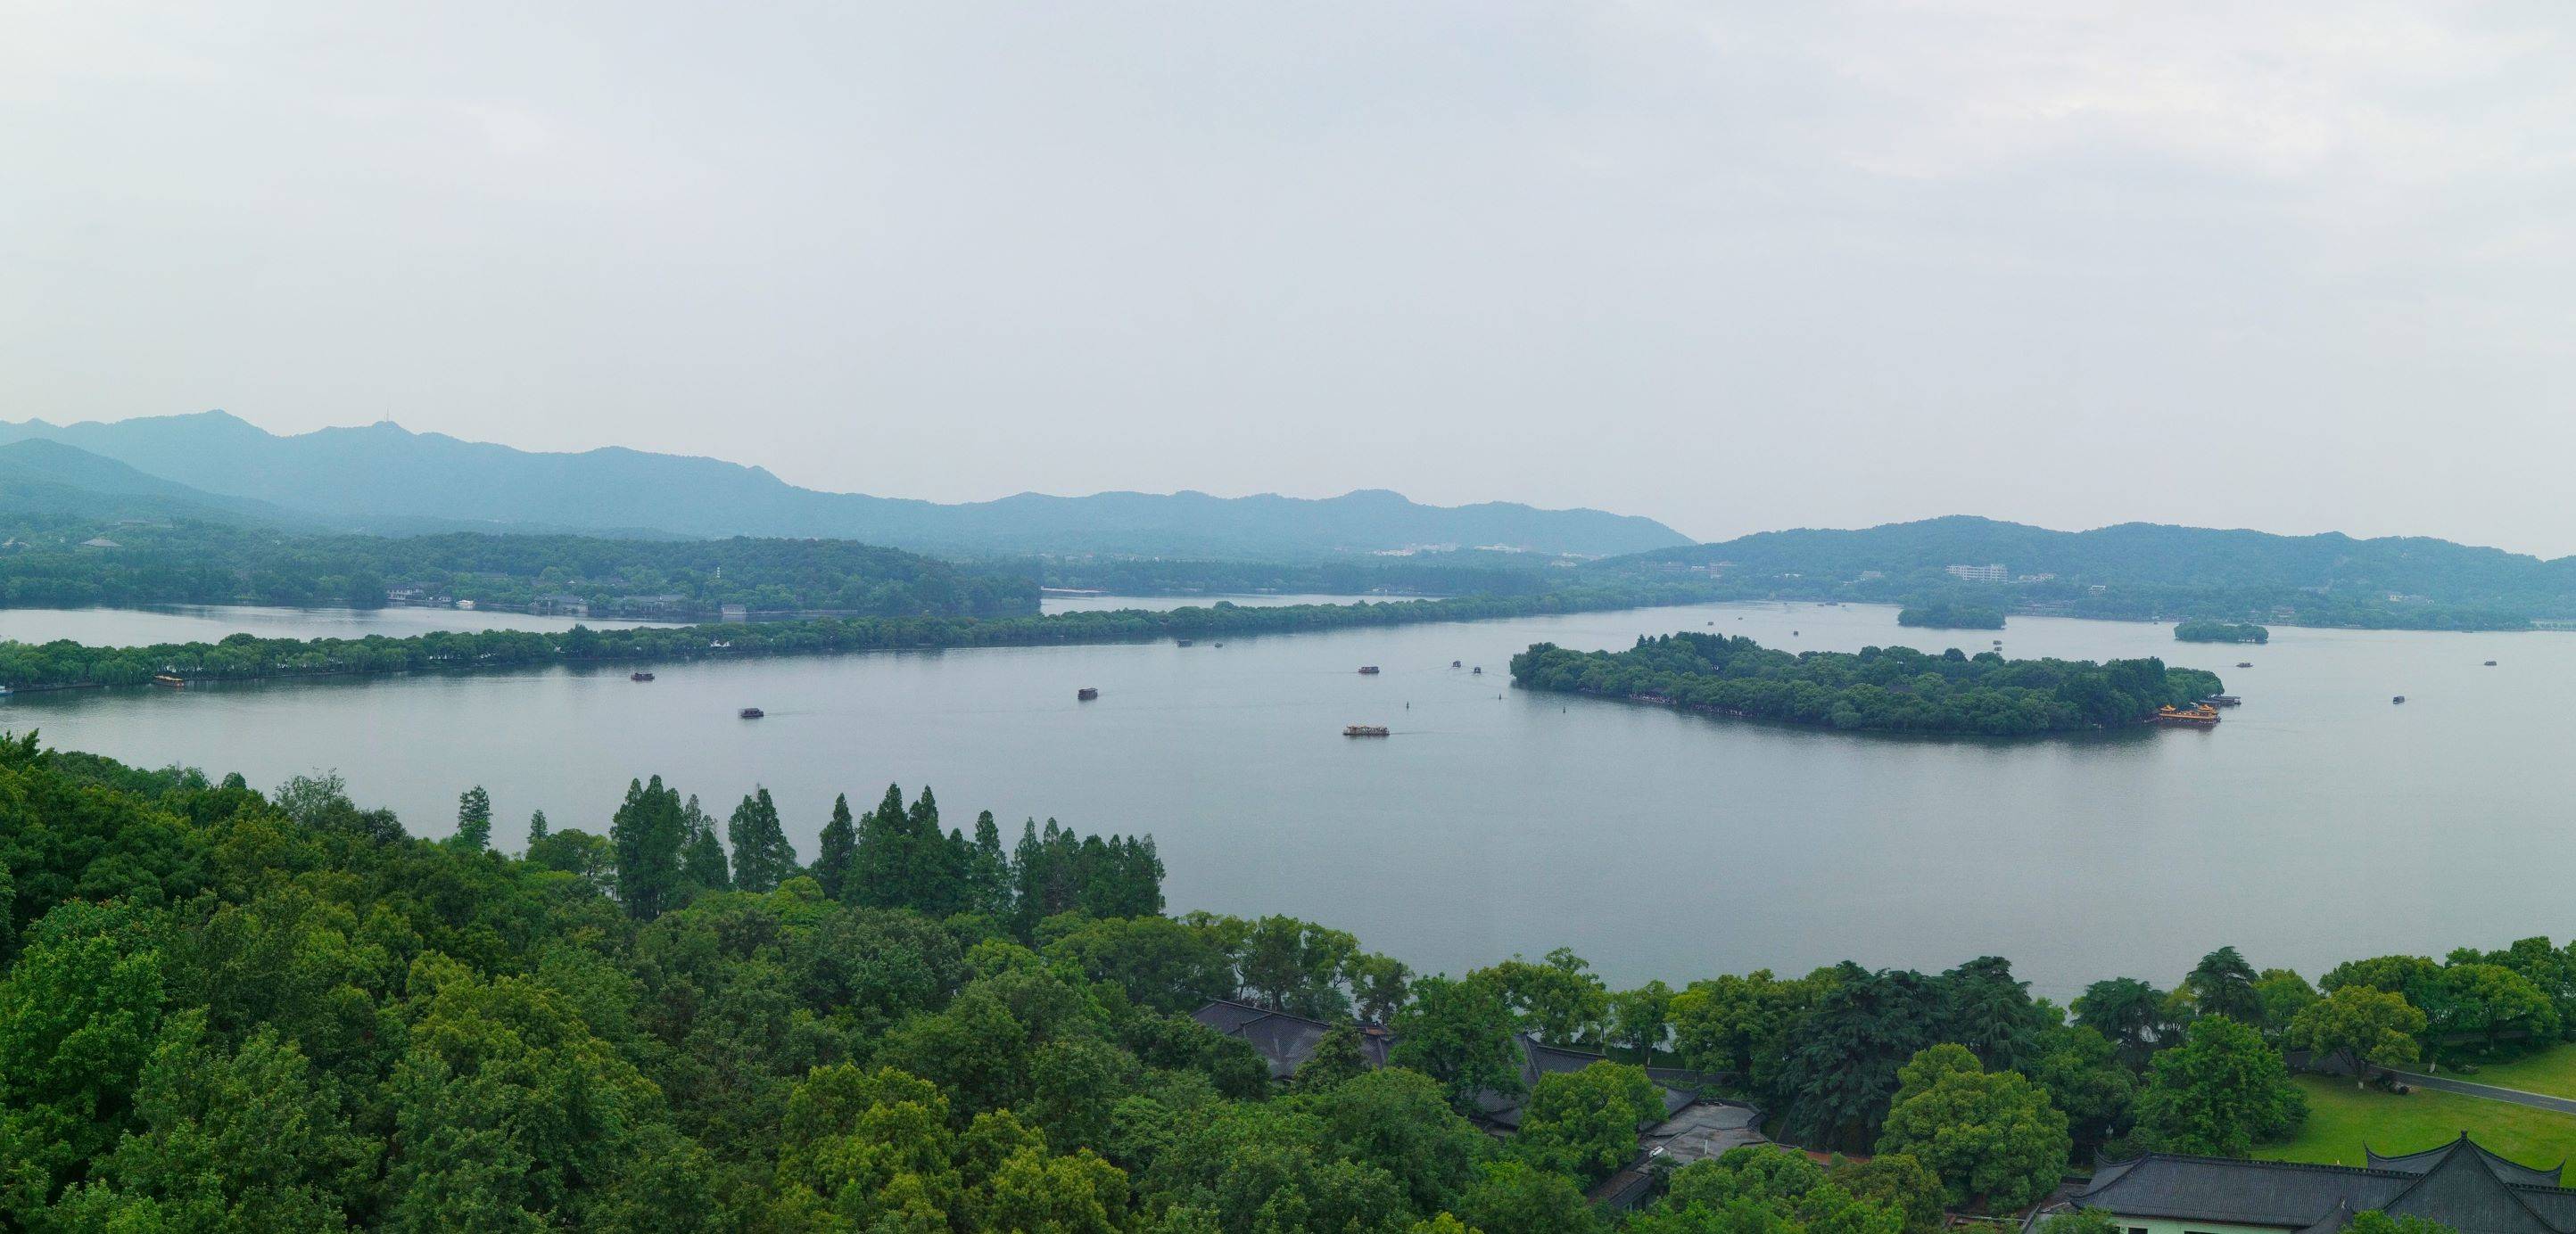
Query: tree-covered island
2221	632
1888	689
1950	615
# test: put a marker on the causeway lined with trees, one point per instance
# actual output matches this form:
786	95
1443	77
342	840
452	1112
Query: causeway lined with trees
244	657
1886	689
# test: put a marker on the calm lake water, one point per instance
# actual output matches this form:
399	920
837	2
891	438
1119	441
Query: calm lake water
2318	823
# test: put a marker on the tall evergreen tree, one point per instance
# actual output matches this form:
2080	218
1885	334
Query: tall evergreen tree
537	828
762	858
988	869
884	854
837	854
646	836
702	856
1028	880
474	819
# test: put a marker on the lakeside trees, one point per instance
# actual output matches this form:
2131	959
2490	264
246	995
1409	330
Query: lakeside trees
227	1009
54	565
247	657
1895	689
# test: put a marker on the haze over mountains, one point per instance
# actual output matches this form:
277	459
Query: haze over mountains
2144	568
382	475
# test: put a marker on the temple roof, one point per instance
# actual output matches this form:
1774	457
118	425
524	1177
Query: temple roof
2461	1185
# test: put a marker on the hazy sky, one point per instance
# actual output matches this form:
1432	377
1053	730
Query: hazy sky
2292	266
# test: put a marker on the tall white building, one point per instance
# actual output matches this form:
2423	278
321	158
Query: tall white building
1980	574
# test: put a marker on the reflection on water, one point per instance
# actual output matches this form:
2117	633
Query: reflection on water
2317	823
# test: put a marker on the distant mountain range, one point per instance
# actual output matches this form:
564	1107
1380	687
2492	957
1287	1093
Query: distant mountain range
383	475
52	479
2152	567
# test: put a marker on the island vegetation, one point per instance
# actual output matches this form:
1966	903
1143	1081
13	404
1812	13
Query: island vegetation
241	657
2221	632
223	1009
1885	689
1950	615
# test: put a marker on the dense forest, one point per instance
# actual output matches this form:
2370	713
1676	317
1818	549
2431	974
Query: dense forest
2142	571
1891	689
244	656
54	563
1950	615
226	1010
2221	632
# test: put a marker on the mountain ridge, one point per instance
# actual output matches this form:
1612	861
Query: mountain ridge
382	470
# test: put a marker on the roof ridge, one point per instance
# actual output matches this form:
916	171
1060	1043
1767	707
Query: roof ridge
2484	1170
2321	1166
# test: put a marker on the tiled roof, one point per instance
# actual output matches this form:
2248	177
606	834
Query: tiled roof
2461	1185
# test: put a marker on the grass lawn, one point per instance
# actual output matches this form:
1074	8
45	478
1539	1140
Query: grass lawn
2551	1071
2342	1118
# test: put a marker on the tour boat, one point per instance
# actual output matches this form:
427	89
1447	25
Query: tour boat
752	713
172	680
2399	699
2244	664
1455	664
1368	670
2202	716
1086	694
639	676
2490	664
1364	730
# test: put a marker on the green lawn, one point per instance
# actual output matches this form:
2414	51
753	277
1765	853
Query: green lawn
2341	1119
2551	1071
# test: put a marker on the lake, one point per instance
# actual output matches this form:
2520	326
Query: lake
2318	823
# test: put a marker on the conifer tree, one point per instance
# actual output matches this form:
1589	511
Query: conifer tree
762	858
837	857
702	856
646	837
474	819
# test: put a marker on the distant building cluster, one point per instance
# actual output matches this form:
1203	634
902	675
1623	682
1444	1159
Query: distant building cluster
1980	574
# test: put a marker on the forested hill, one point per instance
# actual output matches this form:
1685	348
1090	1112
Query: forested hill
2146	569
385	472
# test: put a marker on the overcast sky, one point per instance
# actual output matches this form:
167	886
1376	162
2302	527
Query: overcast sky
2292	266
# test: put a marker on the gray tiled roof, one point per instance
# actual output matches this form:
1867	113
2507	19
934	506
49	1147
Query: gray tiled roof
2460	1185
2510	1171
1286	1040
